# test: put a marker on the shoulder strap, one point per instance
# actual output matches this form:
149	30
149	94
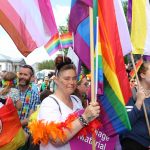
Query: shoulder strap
56	102
74	98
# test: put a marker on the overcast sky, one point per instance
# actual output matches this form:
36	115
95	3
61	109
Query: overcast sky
61	9
7	47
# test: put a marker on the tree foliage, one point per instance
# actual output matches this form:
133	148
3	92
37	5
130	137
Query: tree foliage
48	64
125	7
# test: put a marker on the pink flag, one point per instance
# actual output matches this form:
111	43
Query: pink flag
28	23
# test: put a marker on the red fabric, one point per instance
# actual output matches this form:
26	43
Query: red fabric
10	122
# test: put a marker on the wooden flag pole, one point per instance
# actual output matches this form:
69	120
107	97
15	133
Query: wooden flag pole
144	108
92	66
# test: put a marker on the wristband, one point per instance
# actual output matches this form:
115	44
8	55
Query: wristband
83	121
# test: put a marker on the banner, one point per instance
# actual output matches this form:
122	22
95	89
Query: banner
103	142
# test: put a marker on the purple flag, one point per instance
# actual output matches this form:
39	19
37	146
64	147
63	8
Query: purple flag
129	12
79	11
79	25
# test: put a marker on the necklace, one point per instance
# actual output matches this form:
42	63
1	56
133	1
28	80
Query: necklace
27	101
147	92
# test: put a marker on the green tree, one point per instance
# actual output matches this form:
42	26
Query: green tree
125	7
48	64
62	30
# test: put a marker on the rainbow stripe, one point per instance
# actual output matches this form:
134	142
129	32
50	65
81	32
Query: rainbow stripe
12	135
53	45
116	86
66	40
140	26
29	23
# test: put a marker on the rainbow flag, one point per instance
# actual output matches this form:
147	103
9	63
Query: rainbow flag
79	25
29	23
137	65
116	86
139	15
66	40
11	133
53	45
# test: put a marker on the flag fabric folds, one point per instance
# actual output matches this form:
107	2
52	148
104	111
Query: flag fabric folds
29	23
11	132
79	25
140	26
113	46
116	86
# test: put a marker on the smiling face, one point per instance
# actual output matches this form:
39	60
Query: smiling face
67	81
25	76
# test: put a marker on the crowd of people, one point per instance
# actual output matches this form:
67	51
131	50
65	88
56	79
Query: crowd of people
65	93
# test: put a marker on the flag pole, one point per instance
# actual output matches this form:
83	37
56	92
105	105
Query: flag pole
73	40
92	66
62	52
138	82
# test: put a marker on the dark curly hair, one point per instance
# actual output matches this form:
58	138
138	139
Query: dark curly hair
63	63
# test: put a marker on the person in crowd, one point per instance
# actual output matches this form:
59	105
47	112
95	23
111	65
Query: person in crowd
82	89
34	85
30	99
33	117
2	73
45	94
133	83
58	106
138	138
45	84
9	89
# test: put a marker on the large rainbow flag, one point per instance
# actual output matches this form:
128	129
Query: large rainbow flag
79	25
29	23
116	86
139	16
115	42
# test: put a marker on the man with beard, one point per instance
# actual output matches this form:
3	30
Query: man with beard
30	99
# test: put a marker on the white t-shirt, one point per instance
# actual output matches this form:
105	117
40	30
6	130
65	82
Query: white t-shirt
50	111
